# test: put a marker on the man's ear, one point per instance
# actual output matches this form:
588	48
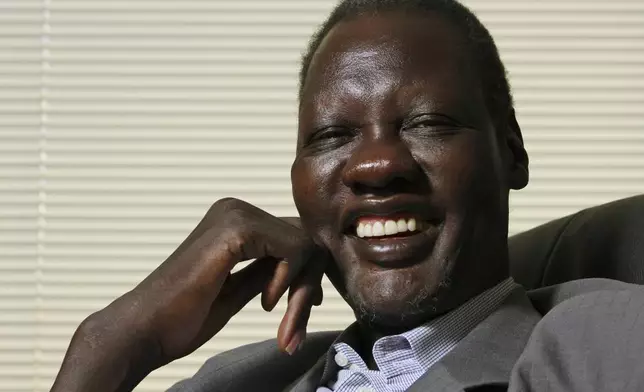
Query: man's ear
516	155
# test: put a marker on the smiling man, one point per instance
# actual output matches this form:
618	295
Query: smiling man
396	125
407	149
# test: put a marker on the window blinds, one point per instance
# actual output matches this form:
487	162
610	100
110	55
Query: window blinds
20	191
122	121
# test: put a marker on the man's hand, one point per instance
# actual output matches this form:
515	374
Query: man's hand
192	295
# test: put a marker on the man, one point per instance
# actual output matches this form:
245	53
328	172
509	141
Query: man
407	149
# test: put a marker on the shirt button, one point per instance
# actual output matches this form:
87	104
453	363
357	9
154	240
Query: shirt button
365	389
354	367
341	360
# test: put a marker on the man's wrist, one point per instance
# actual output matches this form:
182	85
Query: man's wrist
106	355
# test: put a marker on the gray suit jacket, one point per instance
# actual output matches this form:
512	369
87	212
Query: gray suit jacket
505	352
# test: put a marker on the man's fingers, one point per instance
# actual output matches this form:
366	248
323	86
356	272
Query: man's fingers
268	239
292	329
303	294
238	289
260	234
244	285
276	287
296	320
286	273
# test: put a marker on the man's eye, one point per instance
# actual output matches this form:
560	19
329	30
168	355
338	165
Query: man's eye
332	134
329	139
430	124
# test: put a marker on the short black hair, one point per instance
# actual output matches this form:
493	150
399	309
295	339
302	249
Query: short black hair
492	73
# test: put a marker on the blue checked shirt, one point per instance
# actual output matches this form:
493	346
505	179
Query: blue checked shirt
403	359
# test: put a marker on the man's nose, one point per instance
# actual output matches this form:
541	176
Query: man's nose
382	165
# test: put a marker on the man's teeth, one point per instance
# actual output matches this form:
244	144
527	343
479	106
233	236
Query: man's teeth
385	227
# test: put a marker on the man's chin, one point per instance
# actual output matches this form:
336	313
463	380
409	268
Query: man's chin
396	314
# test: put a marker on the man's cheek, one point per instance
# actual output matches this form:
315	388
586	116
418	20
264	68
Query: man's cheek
467	167
304	186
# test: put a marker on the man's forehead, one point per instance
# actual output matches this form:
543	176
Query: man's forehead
371	50
375	68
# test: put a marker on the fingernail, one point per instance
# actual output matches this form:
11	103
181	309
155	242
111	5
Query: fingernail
295	343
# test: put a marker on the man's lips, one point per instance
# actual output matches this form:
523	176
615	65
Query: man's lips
392	232
396	251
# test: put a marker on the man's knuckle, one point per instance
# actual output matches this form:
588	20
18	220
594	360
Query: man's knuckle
235	242
92	324
232	212
95	328
226	204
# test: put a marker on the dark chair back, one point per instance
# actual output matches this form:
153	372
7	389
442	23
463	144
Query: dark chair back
606	241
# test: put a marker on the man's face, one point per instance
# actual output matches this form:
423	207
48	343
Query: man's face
393	129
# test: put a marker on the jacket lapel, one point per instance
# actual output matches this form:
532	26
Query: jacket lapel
485	357
325	368
310	380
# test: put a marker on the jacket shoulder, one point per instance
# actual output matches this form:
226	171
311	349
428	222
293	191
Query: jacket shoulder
546	298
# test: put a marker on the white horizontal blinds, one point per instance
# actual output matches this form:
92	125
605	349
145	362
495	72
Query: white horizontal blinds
20	65
577	70
121	121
